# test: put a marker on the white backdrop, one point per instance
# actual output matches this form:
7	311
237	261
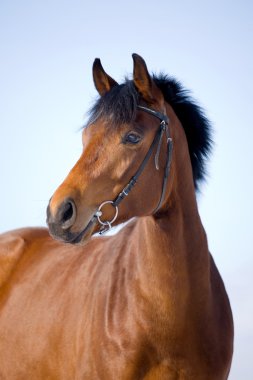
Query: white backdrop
47	50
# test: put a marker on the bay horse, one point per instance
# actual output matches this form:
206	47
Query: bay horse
147	303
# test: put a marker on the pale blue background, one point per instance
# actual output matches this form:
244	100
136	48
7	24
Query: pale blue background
47	50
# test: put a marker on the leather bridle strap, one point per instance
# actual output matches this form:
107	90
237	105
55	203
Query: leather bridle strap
158	137
164	126
164	121
166	171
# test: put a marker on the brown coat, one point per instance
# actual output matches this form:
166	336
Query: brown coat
147	303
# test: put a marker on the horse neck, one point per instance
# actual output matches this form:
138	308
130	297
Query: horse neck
172	245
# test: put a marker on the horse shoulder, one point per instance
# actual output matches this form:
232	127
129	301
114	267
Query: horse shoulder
13	246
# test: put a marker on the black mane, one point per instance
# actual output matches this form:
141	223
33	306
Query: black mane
120	104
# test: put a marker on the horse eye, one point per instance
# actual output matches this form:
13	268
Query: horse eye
131	138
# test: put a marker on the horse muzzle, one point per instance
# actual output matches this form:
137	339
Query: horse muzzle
60	223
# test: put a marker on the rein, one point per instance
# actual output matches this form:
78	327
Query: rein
163	127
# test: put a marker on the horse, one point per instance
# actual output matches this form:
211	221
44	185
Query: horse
145	303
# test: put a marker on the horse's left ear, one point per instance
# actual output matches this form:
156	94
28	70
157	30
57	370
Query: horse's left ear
103	82
143	81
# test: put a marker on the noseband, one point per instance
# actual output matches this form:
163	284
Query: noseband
163	127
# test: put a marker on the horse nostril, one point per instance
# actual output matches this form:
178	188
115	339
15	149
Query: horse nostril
67	214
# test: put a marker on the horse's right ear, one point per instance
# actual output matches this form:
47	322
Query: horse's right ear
103	82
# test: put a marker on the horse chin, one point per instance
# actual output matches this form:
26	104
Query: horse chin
74	238
82	238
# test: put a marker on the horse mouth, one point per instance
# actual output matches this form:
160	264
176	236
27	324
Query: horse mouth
68	237
82	237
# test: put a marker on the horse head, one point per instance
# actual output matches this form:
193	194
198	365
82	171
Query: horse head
126	168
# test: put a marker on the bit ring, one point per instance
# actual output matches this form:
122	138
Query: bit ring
99	214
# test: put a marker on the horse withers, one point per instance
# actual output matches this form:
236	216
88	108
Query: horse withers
146	303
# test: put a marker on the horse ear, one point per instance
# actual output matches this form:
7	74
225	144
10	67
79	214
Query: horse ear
103	82
142	80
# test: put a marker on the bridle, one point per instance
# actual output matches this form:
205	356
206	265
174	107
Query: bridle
163	128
